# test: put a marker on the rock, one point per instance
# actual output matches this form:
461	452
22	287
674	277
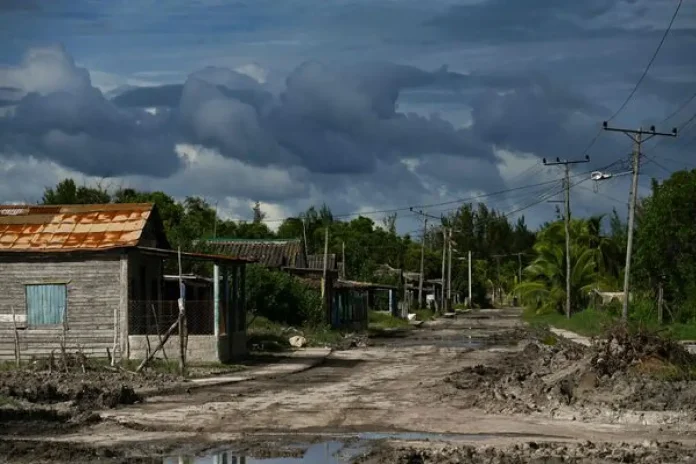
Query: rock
298	341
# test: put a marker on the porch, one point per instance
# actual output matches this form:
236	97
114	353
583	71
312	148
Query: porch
214	307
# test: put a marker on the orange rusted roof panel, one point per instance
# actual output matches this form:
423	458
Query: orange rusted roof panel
31	228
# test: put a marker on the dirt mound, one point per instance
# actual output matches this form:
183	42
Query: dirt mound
620	349
625	371
541	453
87	391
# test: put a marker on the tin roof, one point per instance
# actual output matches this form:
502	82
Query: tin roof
63	228
274	253
317	261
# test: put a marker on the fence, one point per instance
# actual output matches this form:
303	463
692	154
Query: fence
156	316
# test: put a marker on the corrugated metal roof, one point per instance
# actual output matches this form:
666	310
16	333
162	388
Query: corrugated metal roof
317	261
61	228
270	253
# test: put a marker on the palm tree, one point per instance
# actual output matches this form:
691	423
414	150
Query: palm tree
545	286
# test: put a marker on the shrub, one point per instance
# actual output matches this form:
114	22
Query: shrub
280	297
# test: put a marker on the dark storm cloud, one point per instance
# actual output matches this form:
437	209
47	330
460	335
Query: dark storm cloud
501	21
327	120
70	122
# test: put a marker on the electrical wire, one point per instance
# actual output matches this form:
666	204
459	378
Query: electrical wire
652	60
678	110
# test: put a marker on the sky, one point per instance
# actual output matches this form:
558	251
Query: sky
364	105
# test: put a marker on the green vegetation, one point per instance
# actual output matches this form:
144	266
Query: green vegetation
590	322
664	255
424	315
273	336
381	321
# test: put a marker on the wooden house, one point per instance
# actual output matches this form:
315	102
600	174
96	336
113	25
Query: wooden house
92	275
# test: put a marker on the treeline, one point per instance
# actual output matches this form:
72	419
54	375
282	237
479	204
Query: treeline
664	256
368	245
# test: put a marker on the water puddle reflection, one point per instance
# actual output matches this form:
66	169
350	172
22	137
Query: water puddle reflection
339	450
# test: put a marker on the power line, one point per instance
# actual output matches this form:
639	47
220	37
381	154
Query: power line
678	110
647	68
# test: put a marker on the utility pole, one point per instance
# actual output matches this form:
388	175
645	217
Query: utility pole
444	249
638	139
324	286
471	303
566	185
421	303
426	216
343	259
497	284
449	271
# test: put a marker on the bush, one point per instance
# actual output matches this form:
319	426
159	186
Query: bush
280	297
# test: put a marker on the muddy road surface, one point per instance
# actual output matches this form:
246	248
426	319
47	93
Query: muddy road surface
407	397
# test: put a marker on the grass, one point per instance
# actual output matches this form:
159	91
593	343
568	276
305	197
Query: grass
273	336
593	322
379	321
589	322
424	314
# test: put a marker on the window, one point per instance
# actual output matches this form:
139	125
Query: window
46	304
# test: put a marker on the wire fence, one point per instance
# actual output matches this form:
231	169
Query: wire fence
153	317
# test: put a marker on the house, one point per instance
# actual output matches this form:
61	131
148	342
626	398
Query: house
270	253
92	275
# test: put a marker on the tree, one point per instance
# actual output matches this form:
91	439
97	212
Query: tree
666	240
545	284
68	193
259	215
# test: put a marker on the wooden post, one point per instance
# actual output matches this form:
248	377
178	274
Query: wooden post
18	354
324	291
181	321
343	264
660	302
167	334
421	302
157	328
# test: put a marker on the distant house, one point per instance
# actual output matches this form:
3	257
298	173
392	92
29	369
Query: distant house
93	275
270	253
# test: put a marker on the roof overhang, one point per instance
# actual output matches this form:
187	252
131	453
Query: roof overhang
194	256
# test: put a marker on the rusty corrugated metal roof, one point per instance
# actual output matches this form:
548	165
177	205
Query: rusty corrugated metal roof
273	253
32	228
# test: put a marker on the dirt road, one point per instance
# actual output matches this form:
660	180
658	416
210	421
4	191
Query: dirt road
394	389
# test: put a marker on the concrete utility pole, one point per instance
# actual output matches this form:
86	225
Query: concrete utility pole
449	270
637	137
566	185
343	259
324	276
421	303
426	216
444	249
471	303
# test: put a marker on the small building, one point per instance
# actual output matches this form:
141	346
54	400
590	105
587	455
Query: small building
90	278
269	253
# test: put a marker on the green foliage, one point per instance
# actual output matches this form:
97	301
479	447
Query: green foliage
594	264
381	320
280	297
589	322
666	243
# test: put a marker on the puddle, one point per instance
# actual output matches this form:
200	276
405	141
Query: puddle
341	449
329	452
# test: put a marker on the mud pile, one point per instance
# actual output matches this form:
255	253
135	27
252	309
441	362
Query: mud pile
69	393
624	371
538	453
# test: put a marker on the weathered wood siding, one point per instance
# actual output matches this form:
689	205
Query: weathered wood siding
93	300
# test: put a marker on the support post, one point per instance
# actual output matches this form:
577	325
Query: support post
637	137
216	300
444	261
566	187
324	281
421	302
471	302
449	270
660	302
182	320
